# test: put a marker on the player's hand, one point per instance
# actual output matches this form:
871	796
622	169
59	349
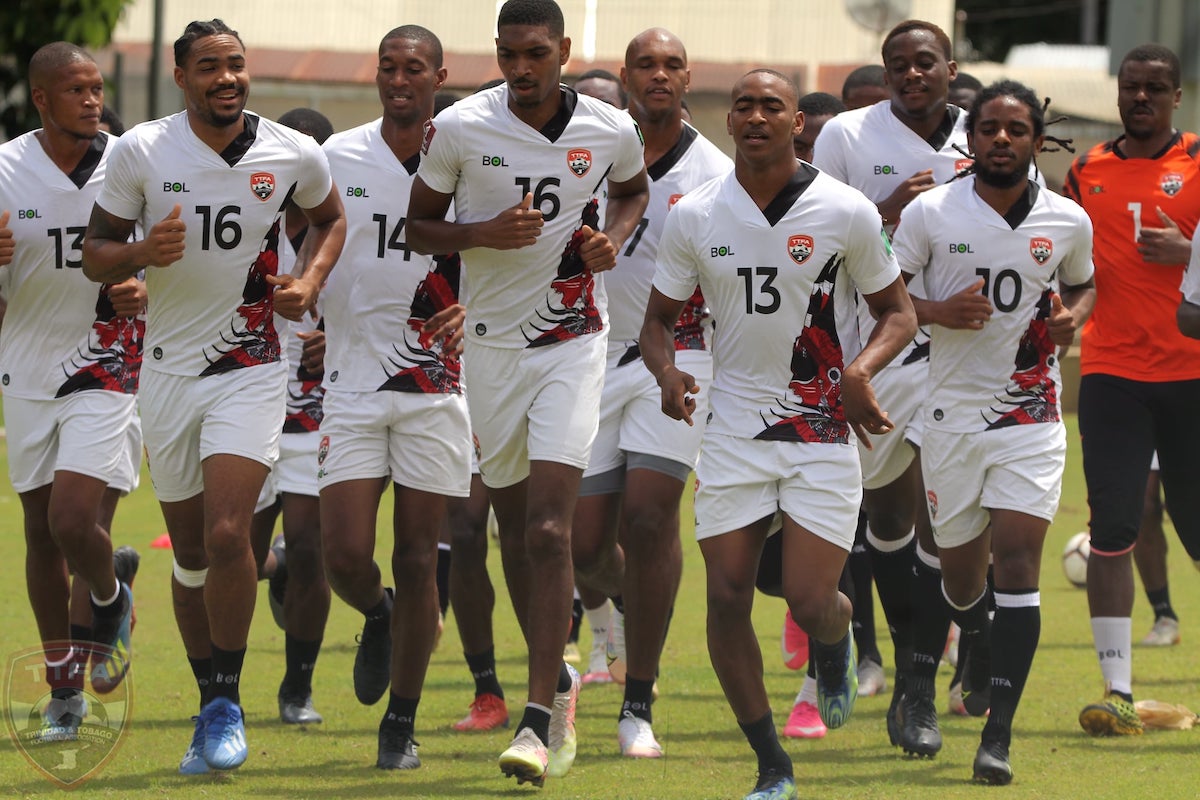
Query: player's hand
164	242
597	250
1061	322
7	245
312	352
513	228
678	394
965	310
128	298
446	327
862	409
919	182
1165	245
293	296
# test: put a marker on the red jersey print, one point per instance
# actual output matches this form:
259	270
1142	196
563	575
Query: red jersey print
425	367
305	398
1031	396
575	314
113	359
252	339
689	329
811	410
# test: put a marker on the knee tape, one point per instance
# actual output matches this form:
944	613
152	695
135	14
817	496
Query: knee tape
189	578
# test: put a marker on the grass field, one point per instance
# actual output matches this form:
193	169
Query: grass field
707	756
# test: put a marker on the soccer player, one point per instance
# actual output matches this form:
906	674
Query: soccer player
1140	378
525	164
603	85
642	459
865	86
394	409
208	186
994	445
69	359
893	151
789	386
964	89
818	108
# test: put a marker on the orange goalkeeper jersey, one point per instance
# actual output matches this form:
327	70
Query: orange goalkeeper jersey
1132	332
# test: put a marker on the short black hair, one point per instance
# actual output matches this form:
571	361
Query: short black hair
53	57
109	117
910	25
197	30
605	75
443	100
866	75
417	34
820	104
533	12
309	121
964	80
1015	90
1155	52
791	84
492	84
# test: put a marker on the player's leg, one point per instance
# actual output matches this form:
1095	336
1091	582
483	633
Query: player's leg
305	605
1116	426
1181	438
1150	558
473	600
598	560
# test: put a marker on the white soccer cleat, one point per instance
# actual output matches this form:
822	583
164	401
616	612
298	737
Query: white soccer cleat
562	744
637	738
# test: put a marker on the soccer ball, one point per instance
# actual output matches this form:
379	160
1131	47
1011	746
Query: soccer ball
1075	558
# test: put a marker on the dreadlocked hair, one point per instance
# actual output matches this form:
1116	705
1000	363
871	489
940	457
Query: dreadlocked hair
1037	113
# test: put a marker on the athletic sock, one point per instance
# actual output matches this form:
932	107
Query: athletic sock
1014	640
618	603
443	577
401	713
537	719
105	606
226	674
976	637
1160	601
564	679
1114	639
892	565
576	619
862	599
639	694
483	670
301	659
381	611
931	618
202	670
599	620
808	690
765	742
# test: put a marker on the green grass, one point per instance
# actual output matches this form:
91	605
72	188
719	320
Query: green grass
707	756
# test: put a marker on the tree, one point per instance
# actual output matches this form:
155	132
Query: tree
26	25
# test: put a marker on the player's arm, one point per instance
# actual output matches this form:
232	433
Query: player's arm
7	244
429	232
322	246
918	182
896	326
964	310
1187	316
657	343
109	256
627	202
128	298
1069	310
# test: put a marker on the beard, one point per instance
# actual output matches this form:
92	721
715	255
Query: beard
1002	179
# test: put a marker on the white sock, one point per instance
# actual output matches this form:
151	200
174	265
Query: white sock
599	620
109	601
1114	645
808	692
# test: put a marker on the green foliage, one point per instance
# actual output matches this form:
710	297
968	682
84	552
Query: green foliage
26	25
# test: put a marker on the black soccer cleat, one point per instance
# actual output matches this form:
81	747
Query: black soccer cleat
991	764
397	749
894	717
373	661
919	733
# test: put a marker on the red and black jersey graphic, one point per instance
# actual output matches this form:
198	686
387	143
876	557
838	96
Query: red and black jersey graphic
576	313
812	411
305	398
424	367
113	359
689	330
252	339
1031	395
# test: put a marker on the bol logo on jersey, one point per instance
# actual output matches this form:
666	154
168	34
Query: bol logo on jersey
263	185
1171	184
800	247
1041	249
580	161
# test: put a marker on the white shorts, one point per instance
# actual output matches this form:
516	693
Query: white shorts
419	441
1016	469
631	417
94	433
740	481
901	391
537	404
186	419
296	470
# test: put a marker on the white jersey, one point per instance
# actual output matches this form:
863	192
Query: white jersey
691	162
780	283
60	334
480	152
1007	373
213	311
382	292
1191	276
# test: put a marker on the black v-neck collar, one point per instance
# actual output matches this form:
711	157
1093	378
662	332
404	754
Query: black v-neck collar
239	146
670	158
566	107
1020	209
91	159
942	135
411	163
1119	153
801	179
